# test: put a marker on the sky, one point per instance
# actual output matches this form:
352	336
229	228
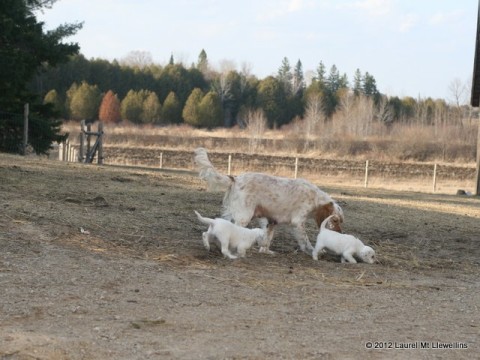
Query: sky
412	48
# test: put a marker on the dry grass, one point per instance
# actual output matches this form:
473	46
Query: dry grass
453	144
132	145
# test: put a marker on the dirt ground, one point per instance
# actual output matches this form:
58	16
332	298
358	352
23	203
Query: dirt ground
108	263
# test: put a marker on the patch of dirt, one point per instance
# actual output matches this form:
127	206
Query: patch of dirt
102	262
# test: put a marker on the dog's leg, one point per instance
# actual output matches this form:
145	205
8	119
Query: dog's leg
302	239
225	251
206	240
266	247
348	257
228	254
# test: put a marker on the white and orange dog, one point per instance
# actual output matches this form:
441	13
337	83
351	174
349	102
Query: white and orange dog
347	246
232	237
278	199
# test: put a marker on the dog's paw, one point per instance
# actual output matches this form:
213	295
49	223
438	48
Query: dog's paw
266	250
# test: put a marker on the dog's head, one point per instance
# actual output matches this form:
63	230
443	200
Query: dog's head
325	211
333	223
367	255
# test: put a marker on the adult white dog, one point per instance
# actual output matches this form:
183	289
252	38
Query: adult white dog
278	199
347	246
232	237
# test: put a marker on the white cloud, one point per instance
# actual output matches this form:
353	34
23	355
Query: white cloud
441	18
408	22
276	9
372	7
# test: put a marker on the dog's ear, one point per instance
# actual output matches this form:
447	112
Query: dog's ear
322	212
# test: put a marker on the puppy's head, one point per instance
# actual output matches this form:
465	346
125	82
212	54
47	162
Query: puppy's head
367	255
263	232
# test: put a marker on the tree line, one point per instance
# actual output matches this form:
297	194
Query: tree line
143	92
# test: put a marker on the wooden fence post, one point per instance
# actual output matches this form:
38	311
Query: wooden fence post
66	145
366	174
100	144
161	160
229	164
89	130
81	155
25	129
296	167
434	177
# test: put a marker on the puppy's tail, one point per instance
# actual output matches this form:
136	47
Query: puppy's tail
204	220
207	172
323	226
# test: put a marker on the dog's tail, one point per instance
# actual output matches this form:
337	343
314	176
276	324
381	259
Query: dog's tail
204	220
207	171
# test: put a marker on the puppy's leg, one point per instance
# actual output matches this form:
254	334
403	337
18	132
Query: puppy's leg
206	240
225	250
241	251
315	252
348	257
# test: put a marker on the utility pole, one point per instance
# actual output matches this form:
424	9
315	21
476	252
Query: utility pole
475	99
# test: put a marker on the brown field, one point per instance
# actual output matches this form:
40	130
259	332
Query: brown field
411	176
392	163
138	284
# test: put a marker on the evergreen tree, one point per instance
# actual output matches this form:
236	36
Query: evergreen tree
223	84
357	83
332	82
298	79
272	99
24	48
171	110
68	97
210	110
53	98
110	108
285	76
151	108
370	87
321	72
131	107
202	63
85	102
191	111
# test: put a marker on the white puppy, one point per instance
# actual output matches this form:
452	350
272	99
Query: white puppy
345	245
232	237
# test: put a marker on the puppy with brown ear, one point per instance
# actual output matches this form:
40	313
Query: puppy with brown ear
347	246
232	237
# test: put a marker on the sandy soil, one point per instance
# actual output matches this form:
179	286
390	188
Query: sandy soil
108	263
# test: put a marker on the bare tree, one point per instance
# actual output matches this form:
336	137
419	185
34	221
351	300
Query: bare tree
355	116
255	122
314	115
458	91
227	66
140	59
